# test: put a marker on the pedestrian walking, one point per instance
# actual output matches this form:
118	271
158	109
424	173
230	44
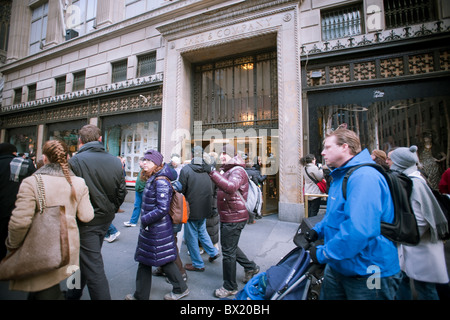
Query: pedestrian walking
61	187
353	244
425	262
156	243
199	191
12	171
312	171
104	177
233	218
138	190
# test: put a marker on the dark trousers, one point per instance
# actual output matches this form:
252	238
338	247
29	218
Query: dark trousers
4	221
52	293
229	238
144	280
313	207
91	264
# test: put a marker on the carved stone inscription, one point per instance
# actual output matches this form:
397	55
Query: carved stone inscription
229	31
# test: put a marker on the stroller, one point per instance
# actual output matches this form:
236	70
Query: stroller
293	278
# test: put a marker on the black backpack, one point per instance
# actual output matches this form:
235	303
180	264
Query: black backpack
444	203
404	228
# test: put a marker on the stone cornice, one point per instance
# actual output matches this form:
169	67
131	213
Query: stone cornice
223	17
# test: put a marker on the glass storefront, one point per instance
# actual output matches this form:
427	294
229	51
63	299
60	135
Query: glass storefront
67	132
129	136
389	123
25	140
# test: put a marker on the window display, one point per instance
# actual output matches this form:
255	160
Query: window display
130	141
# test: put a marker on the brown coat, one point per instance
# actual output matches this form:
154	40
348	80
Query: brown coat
57	192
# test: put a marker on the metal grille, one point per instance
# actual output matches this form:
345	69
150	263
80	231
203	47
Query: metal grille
237	93
400	13
60	86
119	71
146	65
342	22
79	81
32	92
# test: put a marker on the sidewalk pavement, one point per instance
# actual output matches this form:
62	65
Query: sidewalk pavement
265	242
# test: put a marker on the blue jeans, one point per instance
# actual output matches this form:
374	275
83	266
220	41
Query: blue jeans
111	230
424	290
137	207
195	231
336	286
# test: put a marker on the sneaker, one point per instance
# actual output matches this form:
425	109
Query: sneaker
129	224
223	293
113	237
176	296
249	274
130	297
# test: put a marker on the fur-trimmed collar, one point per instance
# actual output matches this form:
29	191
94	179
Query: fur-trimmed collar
52	169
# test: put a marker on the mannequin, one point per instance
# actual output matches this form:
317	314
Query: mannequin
431	162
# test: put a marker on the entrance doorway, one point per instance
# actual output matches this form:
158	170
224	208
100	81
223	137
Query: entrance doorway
235	102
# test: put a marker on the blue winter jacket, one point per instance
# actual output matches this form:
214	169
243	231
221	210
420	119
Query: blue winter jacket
156	243
353	245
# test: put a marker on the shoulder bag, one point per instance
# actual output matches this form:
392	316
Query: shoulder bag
46	245
321	184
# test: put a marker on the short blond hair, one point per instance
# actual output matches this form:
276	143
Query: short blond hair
349	137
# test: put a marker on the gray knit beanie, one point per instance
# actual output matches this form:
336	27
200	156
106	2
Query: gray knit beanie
404	158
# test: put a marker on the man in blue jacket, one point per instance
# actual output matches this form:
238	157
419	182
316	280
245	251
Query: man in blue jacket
360	262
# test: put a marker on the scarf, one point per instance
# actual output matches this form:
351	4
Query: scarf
19	168
431	211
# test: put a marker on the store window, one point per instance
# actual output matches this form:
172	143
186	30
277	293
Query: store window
25	140
388	124
67	132
130	141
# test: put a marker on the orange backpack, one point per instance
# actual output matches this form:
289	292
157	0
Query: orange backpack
179	206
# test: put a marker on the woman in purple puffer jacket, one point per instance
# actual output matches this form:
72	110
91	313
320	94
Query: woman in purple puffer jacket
156	243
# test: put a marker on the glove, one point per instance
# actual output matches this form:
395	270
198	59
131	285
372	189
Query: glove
313	255
208	168
311	235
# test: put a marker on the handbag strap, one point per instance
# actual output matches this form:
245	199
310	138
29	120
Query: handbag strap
41	193
313	180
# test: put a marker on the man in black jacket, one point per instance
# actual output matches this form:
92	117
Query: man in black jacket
13	170
104	177
198	190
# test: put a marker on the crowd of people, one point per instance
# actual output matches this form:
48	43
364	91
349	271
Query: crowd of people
351	226
91	185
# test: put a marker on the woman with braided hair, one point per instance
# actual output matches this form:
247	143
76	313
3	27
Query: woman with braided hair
61	187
